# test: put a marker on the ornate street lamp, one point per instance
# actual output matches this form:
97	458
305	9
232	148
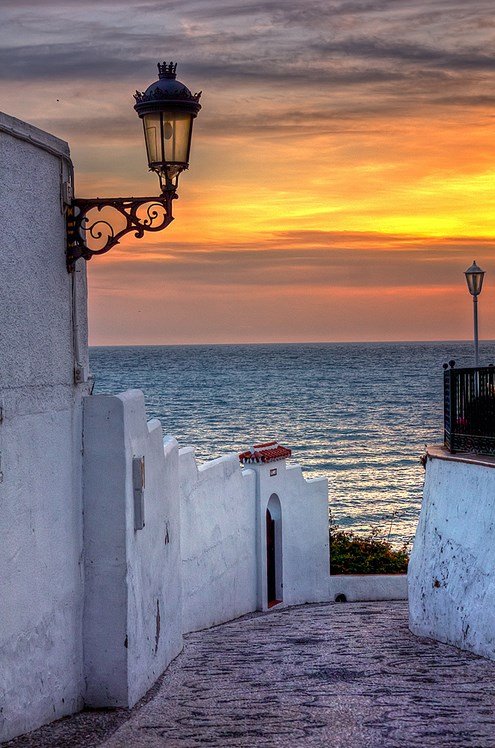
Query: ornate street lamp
167	109
474	279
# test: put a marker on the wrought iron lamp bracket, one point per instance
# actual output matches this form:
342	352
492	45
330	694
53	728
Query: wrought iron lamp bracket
96	225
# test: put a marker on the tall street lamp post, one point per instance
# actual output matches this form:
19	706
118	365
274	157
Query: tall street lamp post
167	109
474	279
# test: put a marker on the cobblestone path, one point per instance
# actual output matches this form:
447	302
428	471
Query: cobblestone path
347	675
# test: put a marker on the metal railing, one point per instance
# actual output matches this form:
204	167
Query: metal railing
469	409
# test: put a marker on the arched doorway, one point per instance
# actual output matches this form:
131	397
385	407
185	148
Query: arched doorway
274	577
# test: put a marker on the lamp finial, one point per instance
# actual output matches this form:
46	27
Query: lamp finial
167	70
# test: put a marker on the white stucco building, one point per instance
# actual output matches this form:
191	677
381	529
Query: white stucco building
114	542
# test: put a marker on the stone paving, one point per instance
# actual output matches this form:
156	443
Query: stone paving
348	675
319	675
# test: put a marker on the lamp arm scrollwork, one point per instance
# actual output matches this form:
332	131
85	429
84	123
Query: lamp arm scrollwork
96	225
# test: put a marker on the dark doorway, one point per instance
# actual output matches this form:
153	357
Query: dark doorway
271	574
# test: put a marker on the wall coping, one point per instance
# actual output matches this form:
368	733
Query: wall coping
439	452
31	134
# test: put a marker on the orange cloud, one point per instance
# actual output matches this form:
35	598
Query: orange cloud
342	168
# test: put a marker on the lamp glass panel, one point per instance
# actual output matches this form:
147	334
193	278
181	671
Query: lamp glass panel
176	136
153	137
475	282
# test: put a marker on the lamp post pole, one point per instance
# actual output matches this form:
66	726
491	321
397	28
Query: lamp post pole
475	321
474	279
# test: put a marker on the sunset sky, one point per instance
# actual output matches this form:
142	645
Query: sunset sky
342	172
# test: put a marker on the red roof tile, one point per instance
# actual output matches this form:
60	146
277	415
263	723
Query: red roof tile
266	452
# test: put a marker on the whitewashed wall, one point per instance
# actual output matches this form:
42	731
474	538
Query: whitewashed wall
305	542
223	537
133	606
368	587
218	540
451	572
41	574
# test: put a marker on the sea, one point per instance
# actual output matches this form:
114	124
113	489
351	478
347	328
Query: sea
359	414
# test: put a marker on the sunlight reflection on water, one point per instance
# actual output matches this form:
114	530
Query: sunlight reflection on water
359	414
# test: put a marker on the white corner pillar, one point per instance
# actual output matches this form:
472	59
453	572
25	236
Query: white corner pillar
133	604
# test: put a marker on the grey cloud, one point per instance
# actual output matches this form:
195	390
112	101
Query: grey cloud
100	62
19	5
239	53
380	49
298	13
66	62
382	73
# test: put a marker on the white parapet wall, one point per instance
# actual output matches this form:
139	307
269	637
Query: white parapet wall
367	587
225	556
132	600
42	344
451	572
218	540
224	537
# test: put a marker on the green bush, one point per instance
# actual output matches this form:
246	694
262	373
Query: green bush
354	554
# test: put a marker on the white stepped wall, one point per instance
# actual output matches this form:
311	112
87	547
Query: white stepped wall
133	607
218	540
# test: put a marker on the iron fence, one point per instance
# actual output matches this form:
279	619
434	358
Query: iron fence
469	409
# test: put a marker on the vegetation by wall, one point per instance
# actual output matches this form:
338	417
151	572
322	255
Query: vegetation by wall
354	554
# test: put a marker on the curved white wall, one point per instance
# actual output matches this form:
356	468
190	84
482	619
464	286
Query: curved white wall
451	573
218	546
223	537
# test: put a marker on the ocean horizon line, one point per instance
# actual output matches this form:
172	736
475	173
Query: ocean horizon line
288	343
